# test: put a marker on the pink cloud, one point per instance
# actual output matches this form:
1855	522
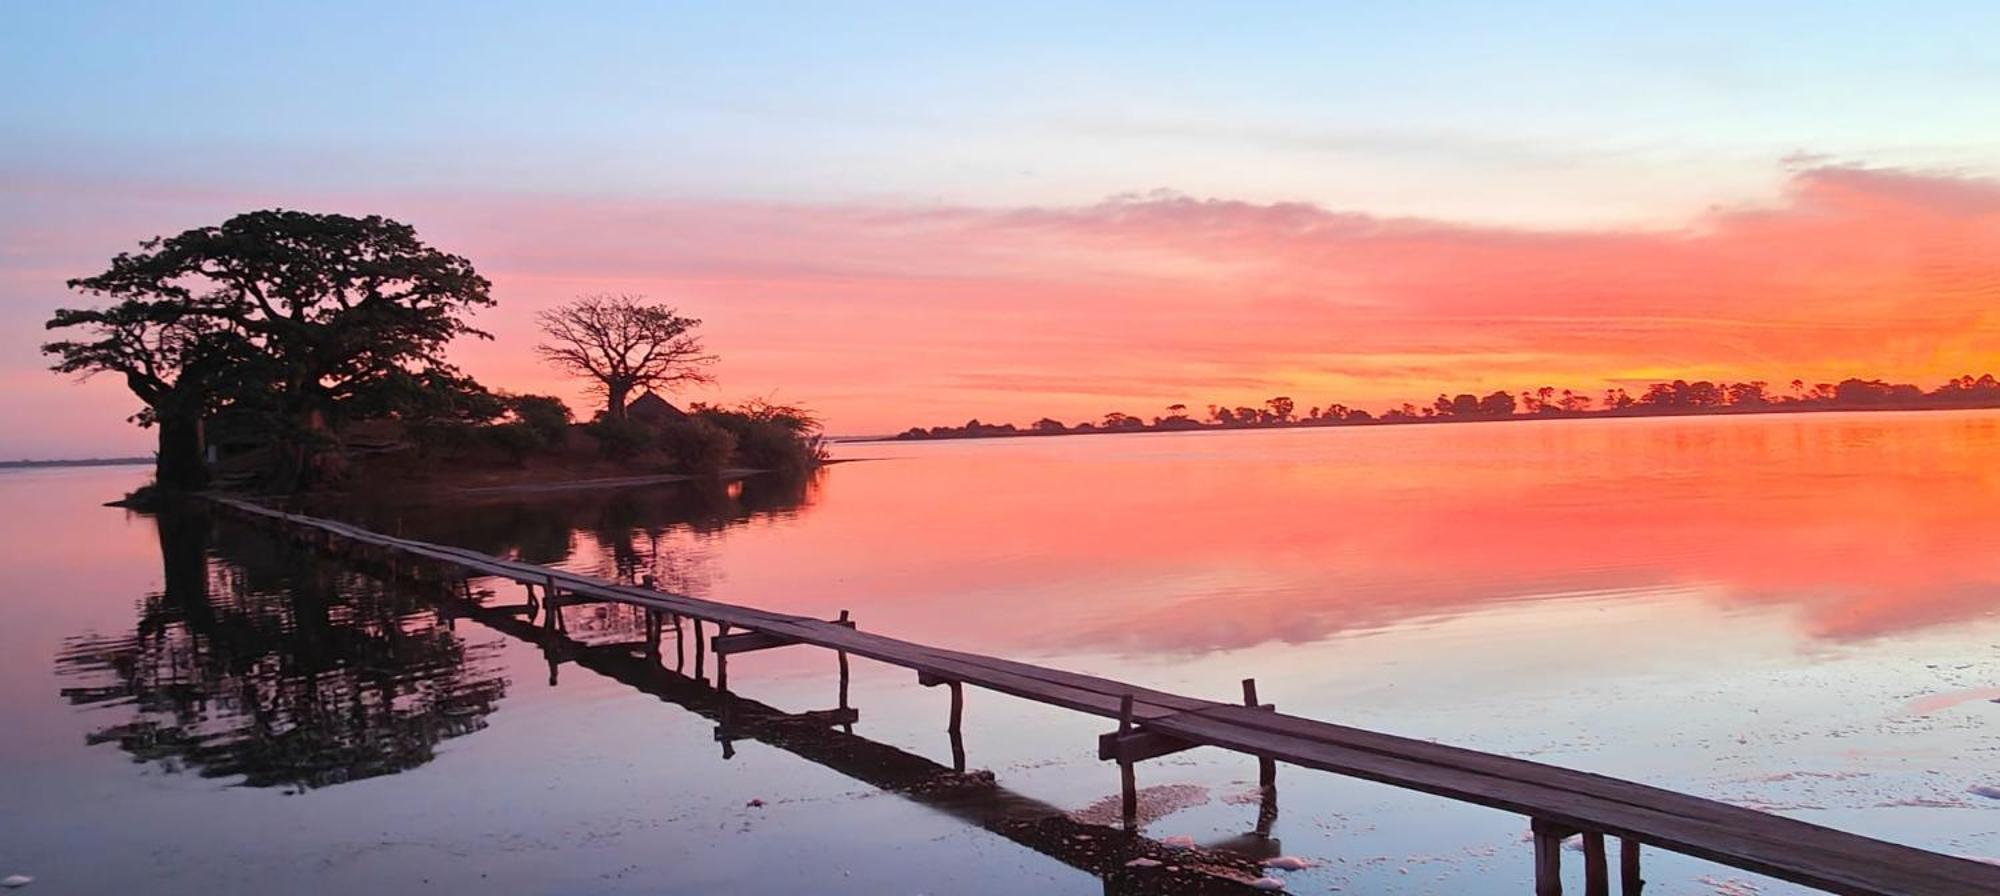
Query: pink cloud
885	317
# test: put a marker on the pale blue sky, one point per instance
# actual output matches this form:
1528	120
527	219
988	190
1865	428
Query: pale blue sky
1528	113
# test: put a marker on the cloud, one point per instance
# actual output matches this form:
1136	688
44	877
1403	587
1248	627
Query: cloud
892	315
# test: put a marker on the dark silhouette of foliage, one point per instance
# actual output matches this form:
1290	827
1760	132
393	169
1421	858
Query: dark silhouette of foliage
1677	397
342	315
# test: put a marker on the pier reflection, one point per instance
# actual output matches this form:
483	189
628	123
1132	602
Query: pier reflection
277	668
630	650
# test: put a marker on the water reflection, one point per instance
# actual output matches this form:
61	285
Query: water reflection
620	533
266	664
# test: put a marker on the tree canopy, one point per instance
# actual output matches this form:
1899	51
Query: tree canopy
316	314
623	343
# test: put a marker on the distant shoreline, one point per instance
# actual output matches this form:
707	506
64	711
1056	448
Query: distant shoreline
78	462
1619	413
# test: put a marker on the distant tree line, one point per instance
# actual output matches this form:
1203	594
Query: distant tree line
1679	397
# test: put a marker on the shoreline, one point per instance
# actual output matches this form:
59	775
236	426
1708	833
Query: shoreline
1430	421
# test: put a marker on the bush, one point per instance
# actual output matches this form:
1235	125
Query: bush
447	439
697	446
769	445
545	414
769	436
516	440
620	438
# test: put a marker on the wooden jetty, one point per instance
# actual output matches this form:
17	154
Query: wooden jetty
826	738
1559	802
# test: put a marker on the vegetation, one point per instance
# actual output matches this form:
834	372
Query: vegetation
292	322
299	343
622	344
1678	397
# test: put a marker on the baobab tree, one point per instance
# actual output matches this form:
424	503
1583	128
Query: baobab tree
623	343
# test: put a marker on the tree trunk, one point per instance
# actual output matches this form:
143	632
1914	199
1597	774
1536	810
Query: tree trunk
615	405
179	464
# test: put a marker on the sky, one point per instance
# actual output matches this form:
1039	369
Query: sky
902	215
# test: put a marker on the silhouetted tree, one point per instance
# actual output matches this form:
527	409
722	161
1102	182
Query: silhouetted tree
622	344
1281	408
175	362
339	309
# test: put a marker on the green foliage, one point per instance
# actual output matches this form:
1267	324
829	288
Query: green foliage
620	439
547	415
769	436
697	446
516	440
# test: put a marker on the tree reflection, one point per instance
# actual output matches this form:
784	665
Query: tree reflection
628	525
278	667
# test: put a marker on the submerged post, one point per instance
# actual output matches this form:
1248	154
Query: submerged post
1548	858
1629	881
721	659
698	651
1128	782
957	737
1267	768
1596	870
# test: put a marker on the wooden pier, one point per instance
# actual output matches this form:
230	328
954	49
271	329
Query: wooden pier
1559	802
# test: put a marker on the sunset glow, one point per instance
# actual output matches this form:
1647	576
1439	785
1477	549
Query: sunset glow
1471	255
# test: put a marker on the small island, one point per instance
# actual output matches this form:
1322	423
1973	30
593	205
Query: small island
1669	399
285	352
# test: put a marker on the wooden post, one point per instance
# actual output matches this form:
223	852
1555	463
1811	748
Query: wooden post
680	645
957	736
1267	768
1127	781
1596	871
1548	858
1629	881
698	651
721	660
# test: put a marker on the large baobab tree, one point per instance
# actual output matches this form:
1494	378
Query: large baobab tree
320	314
623	343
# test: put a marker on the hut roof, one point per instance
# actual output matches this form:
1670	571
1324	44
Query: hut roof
650	408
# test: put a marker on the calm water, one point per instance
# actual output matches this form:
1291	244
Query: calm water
1797	613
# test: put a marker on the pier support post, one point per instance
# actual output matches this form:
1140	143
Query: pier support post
841	656
1548	857
680	646
1629	881
698	650
1596	870
957	733
1128	782
721	660
1267	768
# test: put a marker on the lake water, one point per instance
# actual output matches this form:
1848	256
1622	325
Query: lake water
1799	613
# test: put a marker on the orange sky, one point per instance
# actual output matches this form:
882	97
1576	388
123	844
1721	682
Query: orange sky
883	316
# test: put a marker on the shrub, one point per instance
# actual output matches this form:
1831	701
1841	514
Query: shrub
697	445
768	445
545	414
620	438
516	440
447	439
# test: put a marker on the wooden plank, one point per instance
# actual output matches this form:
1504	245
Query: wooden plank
1139	745
745	642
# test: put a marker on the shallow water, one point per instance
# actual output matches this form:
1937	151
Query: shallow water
1796	613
